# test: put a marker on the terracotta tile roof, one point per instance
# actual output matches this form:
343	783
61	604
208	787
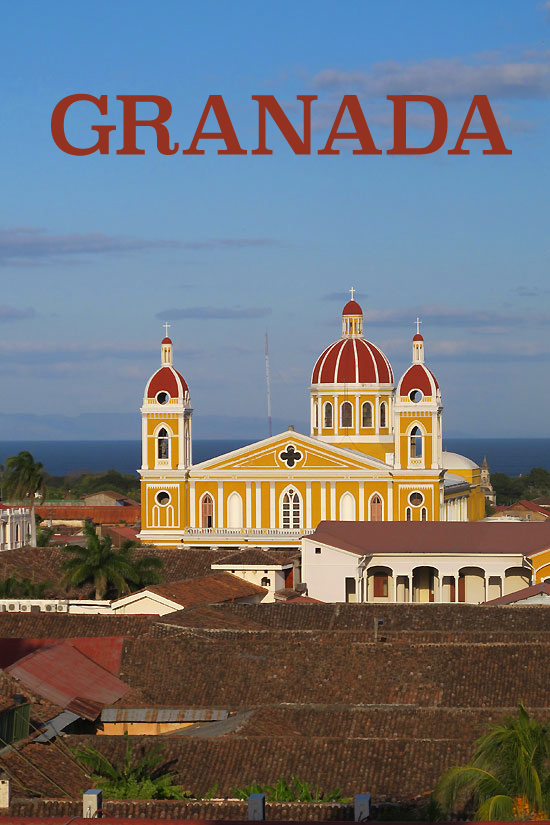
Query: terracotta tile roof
254	557
99	515
213	589
63	625
524	593
363	537
524	504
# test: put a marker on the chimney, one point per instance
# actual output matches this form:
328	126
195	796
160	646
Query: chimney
361	807
256	807
92	801
4	791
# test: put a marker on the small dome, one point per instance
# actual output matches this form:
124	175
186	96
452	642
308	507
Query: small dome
455	461
352	308
166	340
418	337
418	377
169	380
352	361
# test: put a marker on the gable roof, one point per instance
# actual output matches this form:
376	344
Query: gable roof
213	589
524	593
437	537
252	557
524	504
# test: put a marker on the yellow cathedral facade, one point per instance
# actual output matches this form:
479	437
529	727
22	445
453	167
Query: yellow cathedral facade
374	453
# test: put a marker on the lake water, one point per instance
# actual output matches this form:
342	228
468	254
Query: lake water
505	455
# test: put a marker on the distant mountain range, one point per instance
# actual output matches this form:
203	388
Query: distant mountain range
127	427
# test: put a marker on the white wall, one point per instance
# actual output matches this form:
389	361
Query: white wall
325	573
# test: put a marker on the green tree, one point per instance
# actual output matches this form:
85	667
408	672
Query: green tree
297	790
14	588
23	478
110	572
147	568
508	776
139	776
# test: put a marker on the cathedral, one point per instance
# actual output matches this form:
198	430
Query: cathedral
374	453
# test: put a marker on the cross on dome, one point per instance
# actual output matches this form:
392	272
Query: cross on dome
166	328
352	292
418	322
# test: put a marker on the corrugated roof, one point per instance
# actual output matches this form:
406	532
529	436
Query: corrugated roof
65	676
364	537
162	715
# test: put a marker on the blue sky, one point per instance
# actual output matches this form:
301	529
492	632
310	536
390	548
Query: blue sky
95	252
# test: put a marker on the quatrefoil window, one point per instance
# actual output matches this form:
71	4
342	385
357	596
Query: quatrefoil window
290	456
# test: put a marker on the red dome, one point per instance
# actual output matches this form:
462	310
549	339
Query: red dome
418	377
352	361
166	341
169	380
352	308
418	337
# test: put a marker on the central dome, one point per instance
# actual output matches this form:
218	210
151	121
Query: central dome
352	359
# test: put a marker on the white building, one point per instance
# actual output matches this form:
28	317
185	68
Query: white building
420	562
17	528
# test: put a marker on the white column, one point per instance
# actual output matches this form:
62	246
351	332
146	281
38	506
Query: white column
248	504
192	516
181	442
307	519
389	514
361	501
410	583
272	514
357	410
332	500
323	500
143	442
259	504
219	506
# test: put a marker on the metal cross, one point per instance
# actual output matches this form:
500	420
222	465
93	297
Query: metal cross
291	456
418	322
352	291
166	328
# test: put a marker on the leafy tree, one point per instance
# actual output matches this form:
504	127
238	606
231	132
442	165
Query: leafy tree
141	776
14	588
109	571
147	568
24	478
297	790
508	776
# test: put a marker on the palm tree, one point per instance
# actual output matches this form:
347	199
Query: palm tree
14	588
141	777
147	568
508	776
98	564
23	478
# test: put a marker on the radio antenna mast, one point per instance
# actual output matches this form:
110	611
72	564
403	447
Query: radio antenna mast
268	385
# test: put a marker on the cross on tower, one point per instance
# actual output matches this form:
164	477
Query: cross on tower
352	291
166	328
418	322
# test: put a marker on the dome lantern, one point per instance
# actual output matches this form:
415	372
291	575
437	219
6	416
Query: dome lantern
352	318
418	345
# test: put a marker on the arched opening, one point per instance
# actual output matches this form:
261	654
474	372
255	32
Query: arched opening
383	414
266	582
291	510
235	511
471	585
515	578
376	508
163	443
327	417
207	511
346	414
416	443
425	584
380	584
316	415
366	414
347	507
424	514
408	514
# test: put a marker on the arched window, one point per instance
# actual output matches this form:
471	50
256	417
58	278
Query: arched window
346	414
416	442
163	443
266	582
409	514
376	508
291	510
328	414
383	414
316	415
366	414
347	507
234	511
424	514
207	511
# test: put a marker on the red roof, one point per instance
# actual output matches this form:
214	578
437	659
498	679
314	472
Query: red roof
99	515
352	361
216	588
68	678
352	308
524	593
166	341
418	377
169	380
528	505
418	337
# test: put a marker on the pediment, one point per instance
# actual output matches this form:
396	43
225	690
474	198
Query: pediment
291	451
